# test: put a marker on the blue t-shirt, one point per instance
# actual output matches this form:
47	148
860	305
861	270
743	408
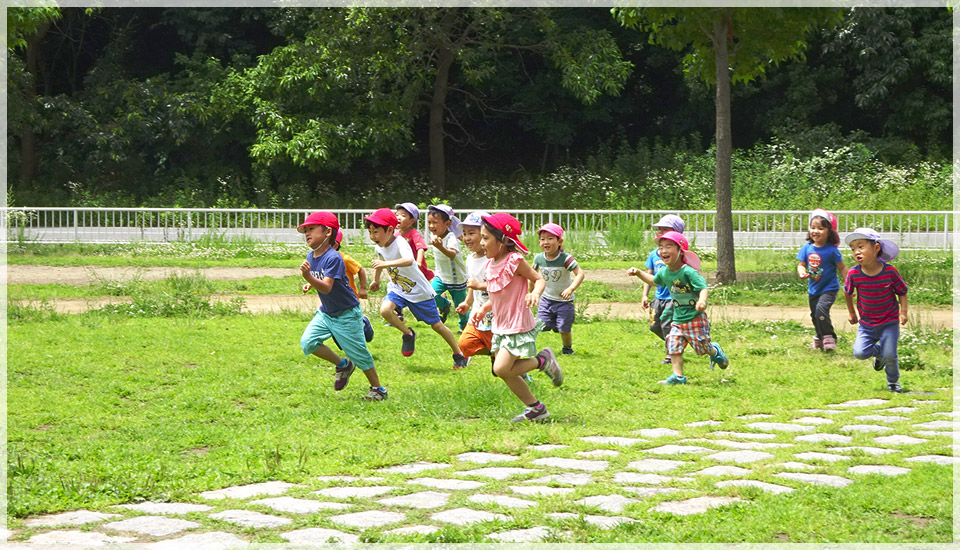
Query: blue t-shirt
656	264
341	297
822	267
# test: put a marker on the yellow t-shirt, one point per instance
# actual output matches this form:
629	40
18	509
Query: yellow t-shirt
352	267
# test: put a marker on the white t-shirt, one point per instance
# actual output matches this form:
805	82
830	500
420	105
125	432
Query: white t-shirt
477	270
450	270
408	281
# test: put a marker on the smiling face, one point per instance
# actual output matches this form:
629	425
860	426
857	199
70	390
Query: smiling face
437	225
491	246
471	238
550	243
865	252
819	231
670	253
379	235
316	235
405	219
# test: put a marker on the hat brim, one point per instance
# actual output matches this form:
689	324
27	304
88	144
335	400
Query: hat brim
520	246
691	259
857	236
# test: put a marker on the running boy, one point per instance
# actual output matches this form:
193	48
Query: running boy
339	314
662	318
688	290
451	273
877	284
407	287
556	308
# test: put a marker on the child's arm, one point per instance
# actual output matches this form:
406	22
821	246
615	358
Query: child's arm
526	271
375	285
438	242
480	313
644	276
702	300
362	286
802	270
399	262
645	302
477	285
466	305
324	286
842	269
578	275
903	309
851	309
419	254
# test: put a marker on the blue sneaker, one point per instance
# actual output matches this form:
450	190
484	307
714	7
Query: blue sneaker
720	358
673	380
367	330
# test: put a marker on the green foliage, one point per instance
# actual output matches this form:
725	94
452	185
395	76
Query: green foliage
23	23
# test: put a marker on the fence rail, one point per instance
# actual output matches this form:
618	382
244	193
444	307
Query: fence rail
752	228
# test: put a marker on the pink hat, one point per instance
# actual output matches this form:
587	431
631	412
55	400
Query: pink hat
384	217
820	212
553	229
326	219
689	257
510	227
339	236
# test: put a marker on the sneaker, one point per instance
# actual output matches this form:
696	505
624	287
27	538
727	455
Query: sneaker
666	361
878	363
367	330
895	388
532	414
550	366
459	361
817	344
829	343
567	351
444	313
342	375
720	358
375	394
673	380
409	344
527	378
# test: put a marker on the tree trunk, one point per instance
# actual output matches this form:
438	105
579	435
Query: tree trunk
438	172
28	147
726	268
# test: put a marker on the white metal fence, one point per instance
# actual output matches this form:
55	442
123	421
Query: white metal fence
604	228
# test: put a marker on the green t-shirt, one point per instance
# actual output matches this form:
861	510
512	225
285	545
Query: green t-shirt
685	285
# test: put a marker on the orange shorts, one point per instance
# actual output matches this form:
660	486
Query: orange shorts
473	341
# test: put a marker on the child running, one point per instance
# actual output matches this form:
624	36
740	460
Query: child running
877	284
450	273
556	308
514	328
476	337
339	315
407	216
407	287
688	290
820	260
662	317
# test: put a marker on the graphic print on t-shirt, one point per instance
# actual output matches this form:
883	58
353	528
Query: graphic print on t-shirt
399	280
815	271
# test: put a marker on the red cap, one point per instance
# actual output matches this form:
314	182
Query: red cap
326	219
339	236
510	227
384	217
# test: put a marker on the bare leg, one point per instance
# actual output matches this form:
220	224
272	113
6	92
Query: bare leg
327	354
676	361
511	370
451	340
372	377
388	313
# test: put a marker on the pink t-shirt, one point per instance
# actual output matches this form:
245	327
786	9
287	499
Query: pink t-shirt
507	292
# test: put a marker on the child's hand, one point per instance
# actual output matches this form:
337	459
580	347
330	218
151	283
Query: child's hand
700	305
852	318
462	308
436	241
903	317
475	318
804	275
374	286
362	292
473	284
633	272
305	269
645	302
566	293
376	264
307	287
531	299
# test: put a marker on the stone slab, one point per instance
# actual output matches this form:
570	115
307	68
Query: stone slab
650	479
370	518
413	530
533	534
547	447
448	484
213	540
563	515
169	508
497	473
865	450
656	465
654	433
696	505
816	479
924	401
608	503
246	518
413	468
620	441
885	418
423	500
747	444
795	466
768	487
813	420
780	427
299	505
155	526
934	433
898	440
270	488
882	469
936	425
943	460
563	479
865	428
721	471
677	450
329	479
821	411
502	500
755	416
703	423
820	438
354	492
900	409
607	522
485	458
951	414
316	536
650	491
598	453
76	538
824	457
79	517
859	403
573	464
466	516
740	457
744	435
540	490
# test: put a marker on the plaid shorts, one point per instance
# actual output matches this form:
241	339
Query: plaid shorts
696	332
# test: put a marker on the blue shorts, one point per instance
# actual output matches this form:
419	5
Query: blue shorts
425	311
347	327
556	316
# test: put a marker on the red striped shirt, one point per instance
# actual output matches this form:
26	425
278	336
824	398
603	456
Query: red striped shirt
876	295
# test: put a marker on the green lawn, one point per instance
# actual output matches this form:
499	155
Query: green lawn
108	409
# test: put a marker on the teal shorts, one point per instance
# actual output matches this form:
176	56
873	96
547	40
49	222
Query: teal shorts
347	327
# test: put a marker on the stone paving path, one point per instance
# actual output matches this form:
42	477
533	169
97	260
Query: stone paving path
599	481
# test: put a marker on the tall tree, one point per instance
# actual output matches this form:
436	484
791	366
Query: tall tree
724	46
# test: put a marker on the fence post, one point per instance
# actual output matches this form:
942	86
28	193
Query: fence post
76	229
